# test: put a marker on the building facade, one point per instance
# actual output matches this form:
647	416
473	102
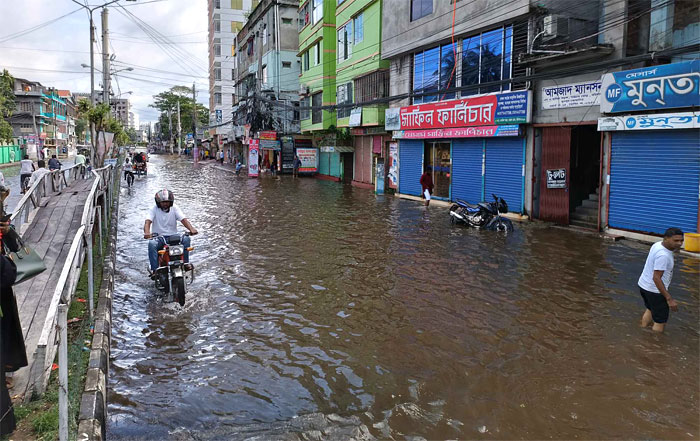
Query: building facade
559	108
225	18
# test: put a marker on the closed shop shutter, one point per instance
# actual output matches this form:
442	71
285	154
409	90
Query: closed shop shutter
504	171
323	163
654	180
363	159
467	157
334	164
410	166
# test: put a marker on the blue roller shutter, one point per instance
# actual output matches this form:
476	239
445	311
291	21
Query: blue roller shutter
410	166
335	164
324	163
467	157
504	171
654	180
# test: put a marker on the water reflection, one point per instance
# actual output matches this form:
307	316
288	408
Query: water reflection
320	310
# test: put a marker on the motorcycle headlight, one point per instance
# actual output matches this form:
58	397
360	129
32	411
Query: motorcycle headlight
176	250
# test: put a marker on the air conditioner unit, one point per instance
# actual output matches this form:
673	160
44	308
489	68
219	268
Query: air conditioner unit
555	26
303	89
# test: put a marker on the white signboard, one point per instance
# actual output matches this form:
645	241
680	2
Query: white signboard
571	95
685	120
355	117
392	119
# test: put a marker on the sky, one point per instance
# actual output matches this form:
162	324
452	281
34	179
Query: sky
53	54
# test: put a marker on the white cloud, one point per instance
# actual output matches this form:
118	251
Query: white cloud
64	46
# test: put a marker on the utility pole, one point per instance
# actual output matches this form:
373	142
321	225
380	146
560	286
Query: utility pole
179	130
195	151
170	128
105	57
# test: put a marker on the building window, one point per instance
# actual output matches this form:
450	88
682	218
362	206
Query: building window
217	50
264	75
372	86
318	10
255	4
236	26
287	64
306	61
304	15
217	4
236	4
317	58
264	36
286	21
359	28
217	74
316	112
421	8
487	58
305	112
217	25
426	74
217	98
345	42
344	96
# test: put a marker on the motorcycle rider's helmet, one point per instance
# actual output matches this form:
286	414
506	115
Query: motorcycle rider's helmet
165	195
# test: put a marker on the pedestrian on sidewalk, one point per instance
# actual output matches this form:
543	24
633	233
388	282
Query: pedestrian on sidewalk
656	278
426	183
54	163
13	354
25	171
221	157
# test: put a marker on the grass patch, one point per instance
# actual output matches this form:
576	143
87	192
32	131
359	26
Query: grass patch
38	419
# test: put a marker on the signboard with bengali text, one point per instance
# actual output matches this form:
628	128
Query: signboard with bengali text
666	86
478	110
309	160
465	132
571	95
253	166
684	120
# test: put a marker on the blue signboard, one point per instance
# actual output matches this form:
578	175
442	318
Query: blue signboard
658	87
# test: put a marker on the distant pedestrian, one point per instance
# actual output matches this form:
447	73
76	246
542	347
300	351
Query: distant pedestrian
221	157
656	278
38	173
25	171
54	164
12	155
426	182
297	166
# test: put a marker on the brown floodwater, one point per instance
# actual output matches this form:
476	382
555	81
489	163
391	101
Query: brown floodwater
322	311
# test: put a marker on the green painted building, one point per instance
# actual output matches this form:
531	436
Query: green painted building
317	56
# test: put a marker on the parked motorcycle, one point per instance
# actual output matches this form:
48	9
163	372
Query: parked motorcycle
486	215
171	276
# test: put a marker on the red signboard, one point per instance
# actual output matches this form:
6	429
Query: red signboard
269	135
482	110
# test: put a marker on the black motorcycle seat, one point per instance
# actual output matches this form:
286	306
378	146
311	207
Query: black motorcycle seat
466	204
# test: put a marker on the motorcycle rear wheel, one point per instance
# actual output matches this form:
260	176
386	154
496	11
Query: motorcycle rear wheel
179	290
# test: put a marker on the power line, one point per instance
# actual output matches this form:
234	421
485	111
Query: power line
36	27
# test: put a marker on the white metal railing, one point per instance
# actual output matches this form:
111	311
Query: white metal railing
31	201
80	249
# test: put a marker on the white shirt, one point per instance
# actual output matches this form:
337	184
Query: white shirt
660	259
79	159
128	166
38	175
165	224
26	166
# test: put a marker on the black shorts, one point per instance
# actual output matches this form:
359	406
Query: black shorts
657	304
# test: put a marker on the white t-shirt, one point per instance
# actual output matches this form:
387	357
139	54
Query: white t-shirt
26	166
660	259
165	224
38	175
128	166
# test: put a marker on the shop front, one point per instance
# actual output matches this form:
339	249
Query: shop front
653	172
473	147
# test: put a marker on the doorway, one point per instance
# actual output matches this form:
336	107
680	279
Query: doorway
437	161
346	159
585	176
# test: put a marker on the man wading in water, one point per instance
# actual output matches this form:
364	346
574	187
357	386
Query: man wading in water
656	278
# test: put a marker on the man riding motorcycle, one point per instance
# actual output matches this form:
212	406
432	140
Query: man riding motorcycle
164	217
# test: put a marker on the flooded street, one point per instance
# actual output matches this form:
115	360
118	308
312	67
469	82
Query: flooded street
322	311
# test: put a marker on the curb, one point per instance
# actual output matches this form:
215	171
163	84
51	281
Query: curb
92	420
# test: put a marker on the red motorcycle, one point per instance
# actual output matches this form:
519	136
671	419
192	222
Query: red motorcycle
172	276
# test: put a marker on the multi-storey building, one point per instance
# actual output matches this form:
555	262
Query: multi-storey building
508	100
226	18
121	108
361	77
71	116
267	78
317	86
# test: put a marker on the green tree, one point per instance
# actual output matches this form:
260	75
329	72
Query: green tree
80	129
168	101
7	104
